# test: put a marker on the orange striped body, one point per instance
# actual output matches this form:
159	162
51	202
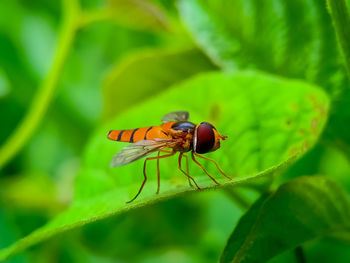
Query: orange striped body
138	134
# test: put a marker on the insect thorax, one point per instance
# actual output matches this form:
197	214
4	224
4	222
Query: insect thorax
183	130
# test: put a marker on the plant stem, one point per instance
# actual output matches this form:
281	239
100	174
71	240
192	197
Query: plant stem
341	21
42	99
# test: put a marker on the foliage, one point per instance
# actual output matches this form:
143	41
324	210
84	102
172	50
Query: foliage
271	75
298	214
156	71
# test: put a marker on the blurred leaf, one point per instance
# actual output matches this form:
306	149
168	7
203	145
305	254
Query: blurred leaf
138	14
155	71
44	95
293	38
202	233
27	192
170	256
219	45
266	134
102	45
164	229
300	210
335	163
327	250
339	11
337	131
9	234
39	40
4	84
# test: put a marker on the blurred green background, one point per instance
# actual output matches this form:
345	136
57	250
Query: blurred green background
114	55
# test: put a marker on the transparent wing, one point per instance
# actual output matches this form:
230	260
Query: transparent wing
176	116
140	149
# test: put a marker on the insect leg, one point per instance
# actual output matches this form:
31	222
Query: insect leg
158	174
188	176
144	172
188	170
201	166
221	171
158	170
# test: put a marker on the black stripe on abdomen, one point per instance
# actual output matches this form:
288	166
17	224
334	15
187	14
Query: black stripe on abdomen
132	135
120	135
147	132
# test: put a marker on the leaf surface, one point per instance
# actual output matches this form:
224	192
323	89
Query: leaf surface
136	14
292	38
300	210
270	121
288	38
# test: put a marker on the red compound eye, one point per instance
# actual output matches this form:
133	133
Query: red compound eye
204	138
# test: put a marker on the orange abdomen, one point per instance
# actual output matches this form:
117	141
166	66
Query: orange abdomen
138	134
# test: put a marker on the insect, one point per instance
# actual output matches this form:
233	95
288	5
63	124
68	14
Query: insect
176	133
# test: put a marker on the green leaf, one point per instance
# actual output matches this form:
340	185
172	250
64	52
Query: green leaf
156	70
292	38
341	20
300	210
26	192
140	14
5	86
9	233
137	14
270	121
337	132
42	99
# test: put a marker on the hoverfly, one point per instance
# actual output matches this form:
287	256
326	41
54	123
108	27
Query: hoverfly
176	133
